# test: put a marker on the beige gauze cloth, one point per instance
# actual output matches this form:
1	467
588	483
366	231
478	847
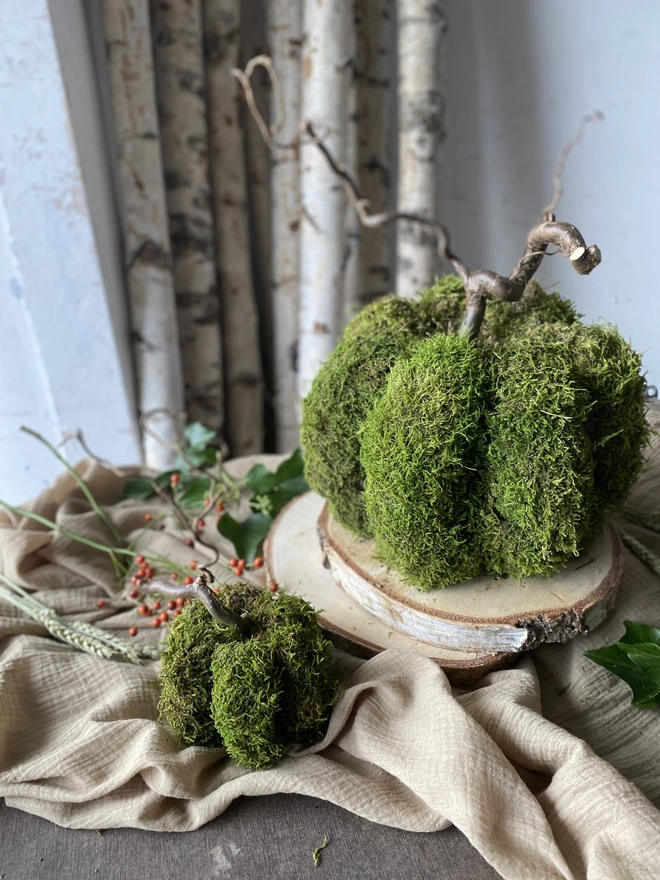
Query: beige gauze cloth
544	785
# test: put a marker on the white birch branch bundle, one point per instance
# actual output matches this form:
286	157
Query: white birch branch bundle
374	27
284	37
144	215
243	376
180	81
421	27
354	229
322	233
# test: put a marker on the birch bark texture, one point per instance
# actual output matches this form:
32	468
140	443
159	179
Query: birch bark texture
374	49
258	162
243	373
181	89
284	36
147	257
421	30
325	80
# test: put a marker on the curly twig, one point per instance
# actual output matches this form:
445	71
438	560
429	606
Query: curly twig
200	589
481	283
596	116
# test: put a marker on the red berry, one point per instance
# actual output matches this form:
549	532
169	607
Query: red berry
219	506
193	564
180	602
174	479
273	587
190	542
241	562
258	562
133	594
149	572
139	559
143	609
148	517
188	580
174	576
156	621
135	580
156	605
171	604
164	616
101	603
217	517
177	612
200	524
133	631
233	562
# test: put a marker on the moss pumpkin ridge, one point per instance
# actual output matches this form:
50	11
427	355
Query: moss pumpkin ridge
421	451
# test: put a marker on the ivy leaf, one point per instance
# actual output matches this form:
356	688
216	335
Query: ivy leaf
138	489
261	480
294	466
195	494
636	665
639	634
247	535
273	502
198	436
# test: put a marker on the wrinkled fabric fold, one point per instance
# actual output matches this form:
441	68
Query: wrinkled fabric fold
545	782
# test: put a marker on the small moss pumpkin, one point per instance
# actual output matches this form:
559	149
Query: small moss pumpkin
257	695
506	454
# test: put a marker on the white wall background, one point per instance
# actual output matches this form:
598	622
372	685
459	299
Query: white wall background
521	73
65	361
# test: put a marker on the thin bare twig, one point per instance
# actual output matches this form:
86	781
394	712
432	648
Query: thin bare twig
87	492
244	77
596	117
479	284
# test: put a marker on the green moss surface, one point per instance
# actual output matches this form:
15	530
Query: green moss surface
342	394
539	461
256	695
354	377
421	450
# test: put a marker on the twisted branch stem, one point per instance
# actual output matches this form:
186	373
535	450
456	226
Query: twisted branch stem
201	590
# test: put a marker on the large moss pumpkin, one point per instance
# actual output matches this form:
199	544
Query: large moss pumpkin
504	455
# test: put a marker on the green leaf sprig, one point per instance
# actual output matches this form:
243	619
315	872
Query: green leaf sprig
636	660
196	472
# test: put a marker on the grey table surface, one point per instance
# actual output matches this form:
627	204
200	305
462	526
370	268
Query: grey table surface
266	837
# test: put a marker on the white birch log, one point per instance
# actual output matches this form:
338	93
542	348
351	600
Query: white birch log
258	163
351	163
374	32
243	375
284	36
421	27
326	73
144	216
180	81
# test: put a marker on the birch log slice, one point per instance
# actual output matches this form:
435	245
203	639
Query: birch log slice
484	614
295	561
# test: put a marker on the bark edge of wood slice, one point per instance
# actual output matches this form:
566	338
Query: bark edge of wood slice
484	614
295	560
